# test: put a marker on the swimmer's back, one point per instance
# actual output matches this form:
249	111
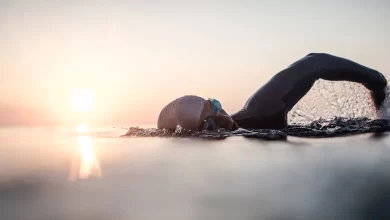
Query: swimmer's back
184	111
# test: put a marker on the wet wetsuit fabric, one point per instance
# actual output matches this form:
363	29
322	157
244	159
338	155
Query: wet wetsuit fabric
269	105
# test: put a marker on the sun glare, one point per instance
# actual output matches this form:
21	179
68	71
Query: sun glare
83	100
86	164
89	161
82	128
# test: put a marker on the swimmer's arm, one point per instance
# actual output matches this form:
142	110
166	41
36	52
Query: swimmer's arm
328	67
341	69
335	68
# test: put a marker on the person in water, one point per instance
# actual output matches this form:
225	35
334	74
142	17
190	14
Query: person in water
194	113
269	105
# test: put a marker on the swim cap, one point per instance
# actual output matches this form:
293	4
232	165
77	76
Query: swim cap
215	105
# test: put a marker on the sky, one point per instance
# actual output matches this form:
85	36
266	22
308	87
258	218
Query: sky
137	56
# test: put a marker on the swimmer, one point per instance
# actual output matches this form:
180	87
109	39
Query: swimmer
267	108
269	105
194	113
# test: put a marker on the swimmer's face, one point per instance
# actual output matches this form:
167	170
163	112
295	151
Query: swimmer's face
224	121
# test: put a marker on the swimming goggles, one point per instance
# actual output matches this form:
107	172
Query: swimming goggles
215	105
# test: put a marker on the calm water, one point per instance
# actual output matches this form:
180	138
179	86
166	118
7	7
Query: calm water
56	174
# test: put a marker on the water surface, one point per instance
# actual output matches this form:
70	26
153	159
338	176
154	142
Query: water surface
58	174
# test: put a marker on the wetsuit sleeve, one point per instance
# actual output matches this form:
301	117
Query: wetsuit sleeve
328	67
269	105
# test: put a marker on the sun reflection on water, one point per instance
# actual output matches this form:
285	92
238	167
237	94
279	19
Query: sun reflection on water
85	163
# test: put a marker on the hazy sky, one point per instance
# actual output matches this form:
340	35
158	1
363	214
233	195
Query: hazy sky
139	55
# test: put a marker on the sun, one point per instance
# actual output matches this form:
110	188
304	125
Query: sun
82	128
83	100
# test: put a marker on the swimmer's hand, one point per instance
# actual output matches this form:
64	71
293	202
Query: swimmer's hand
378	97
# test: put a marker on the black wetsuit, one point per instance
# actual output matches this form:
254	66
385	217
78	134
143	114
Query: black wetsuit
269	105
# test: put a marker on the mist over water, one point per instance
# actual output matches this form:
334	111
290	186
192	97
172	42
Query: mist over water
328	99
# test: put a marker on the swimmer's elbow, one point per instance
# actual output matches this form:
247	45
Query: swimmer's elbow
317	60
320	56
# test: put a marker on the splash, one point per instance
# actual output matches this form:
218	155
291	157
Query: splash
328	99
333	127
384	110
